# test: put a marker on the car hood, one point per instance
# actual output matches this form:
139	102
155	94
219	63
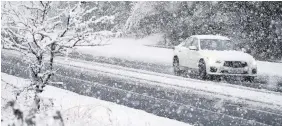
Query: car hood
227	55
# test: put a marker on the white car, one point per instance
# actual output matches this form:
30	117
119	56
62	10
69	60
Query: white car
213	55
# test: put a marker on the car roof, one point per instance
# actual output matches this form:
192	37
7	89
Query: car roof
210	37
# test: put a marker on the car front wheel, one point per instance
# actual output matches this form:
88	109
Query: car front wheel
249	79
176	68
202	70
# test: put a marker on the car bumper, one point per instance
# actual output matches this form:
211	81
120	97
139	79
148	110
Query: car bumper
226	74
228	71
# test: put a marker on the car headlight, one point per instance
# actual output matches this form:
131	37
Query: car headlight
212	61
217	61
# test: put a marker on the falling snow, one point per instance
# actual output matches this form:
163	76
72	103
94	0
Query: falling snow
128	63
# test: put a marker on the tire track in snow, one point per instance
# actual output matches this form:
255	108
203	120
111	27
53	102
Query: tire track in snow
167	75
166	69
142	95
256	96
166	107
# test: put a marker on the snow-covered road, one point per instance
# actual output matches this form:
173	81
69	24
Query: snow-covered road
135	54
178	82
156	90
222	89
134	50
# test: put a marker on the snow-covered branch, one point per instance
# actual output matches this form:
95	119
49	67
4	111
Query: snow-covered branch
33	27
40	30
35	8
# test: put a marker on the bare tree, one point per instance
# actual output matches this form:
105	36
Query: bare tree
41	30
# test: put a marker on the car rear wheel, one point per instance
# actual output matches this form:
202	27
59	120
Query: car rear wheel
202	70
176	68
215	77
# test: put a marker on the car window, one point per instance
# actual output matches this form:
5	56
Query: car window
188	42
194	42
217	44
182	44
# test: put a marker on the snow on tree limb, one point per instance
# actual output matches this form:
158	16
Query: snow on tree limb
41	30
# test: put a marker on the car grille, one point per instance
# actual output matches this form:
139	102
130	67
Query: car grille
235	64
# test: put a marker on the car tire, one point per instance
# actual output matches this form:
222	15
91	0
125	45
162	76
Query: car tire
215	77
176	68
202	70
249	79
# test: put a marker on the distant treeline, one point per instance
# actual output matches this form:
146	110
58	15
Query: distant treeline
255	25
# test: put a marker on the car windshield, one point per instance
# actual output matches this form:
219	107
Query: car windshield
216	44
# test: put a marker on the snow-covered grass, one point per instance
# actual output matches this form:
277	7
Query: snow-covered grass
80	110
134	50
149	40
131	49
269	68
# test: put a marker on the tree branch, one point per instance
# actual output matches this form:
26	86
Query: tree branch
51	61
33	8
41	2
68	22
74	44
35	42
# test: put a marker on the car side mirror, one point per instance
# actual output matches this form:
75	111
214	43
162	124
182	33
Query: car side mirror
243	50
246	50
193	48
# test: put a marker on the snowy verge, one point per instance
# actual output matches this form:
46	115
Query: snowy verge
82	110
129	50
269	68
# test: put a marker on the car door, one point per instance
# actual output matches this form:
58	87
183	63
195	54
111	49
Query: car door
194	55
184	54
